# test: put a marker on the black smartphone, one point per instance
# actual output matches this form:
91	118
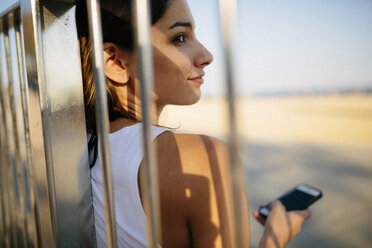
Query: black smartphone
299	198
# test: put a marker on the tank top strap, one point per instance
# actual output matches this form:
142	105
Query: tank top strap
156	131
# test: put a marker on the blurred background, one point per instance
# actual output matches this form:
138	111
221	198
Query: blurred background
304	83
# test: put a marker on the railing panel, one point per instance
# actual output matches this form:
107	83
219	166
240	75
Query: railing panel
2	214
228	11
149	180
28	166
17	122
43	136
3	180
10	161
65	124
58	135
102	123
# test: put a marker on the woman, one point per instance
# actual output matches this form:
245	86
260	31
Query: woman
194	170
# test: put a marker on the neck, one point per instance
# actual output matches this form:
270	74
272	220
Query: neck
136	111
129	97
155	111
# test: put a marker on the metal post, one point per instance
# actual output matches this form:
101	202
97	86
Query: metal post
102	123
17	122
228	14
2	221
57	124
149	180
25	146
30	10
11	176
4	184
2	214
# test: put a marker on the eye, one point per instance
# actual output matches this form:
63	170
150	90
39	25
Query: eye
179	39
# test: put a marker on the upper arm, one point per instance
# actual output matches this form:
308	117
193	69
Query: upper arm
202	177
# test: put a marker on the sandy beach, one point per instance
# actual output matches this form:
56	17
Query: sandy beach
335	119
325	141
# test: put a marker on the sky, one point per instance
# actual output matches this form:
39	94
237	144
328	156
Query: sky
6	4
291	45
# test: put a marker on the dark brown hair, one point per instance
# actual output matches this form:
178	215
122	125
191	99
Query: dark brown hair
118	28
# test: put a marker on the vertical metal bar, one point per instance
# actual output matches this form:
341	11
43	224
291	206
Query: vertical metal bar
31	17
3	156
27	160
8	134
102	123
65	141
2	221
7	209
16	113
2	215
33	223
149	179
4	200
57	124
228	14
3	172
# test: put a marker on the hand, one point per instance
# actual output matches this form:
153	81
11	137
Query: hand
258	217
281	226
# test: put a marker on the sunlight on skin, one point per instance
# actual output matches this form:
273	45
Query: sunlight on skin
179	62
188	193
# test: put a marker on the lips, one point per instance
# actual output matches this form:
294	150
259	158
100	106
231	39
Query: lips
198	80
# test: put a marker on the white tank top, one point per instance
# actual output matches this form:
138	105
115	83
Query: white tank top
126	156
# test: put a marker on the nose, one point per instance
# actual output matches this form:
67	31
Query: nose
203	58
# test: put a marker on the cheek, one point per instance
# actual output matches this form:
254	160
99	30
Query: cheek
170	72
171	63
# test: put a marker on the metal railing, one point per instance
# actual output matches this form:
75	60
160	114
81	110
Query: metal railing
94	16
15	165
44	183
42	125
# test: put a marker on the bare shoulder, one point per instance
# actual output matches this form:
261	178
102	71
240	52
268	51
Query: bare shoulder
195	182
195	152
184	157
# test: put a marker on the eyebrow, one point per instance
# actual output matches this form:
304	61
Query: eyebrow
181	24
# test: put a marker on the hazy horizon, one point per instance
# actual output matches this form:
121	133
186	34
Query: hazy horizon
291	46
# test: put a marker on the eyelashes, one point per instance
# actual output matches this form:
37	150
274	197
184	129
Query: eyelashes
179	39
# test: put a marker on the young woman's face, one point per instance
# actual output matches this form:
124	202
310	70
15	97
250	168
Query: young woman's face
179	58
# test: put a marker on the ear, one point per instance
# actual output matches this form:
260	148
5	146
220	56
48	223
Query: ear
115	67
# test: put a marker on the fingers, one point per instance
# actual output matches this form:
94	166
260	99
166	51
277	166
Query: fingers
258	217
276	204
273	204
306	214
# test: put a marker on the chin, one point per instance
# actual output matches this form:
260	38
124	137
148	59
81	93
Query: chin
187	101
185	98
193	102
192	99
